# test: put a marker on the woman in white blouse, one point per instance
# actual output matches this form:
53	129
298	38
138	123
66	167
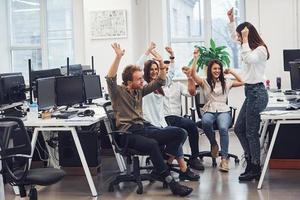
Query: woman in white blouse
254	54
216	89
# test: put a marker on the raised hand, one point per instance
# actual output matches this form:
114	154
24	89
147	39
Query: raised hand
196	54
227	71
245	33
119	52
156	56
151	47
170	50
230	15
186	70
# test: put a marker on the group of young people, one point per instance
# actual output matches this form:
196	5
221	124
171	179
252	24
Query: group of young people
152	111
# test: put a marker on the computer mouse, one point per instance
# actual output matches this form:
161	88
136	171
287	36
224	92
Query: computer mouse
86	113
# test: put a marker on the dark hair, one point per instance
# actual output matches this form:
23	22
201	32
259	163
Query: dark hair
210	79
128	72
254	38
147	68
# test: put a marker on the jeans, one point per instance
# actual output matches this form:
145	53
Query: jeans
223	120
191	128
248	121
148	139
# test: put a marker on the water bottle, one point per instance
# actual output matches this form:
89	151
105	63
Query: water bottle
33	111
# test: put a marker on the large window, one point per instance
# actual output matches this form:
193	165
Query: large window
194	22
41	31
185	29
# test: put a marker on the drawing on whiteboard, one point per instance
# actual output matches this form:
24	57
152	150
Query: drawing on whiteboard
108	24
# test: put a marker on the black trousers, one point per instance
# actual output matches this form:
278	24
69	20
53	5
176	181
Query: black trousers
148	139
191	127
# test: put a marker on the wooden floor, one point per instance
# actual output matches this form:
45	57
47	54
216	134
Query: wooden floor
213	184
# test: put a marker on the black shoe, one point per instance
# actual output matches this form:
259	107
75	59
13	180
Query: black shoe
247	169
195	163
254	173
188	175
180	190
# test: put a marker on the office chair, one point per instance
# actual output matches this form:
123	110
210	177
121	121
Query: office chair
130	154
198	105
15	153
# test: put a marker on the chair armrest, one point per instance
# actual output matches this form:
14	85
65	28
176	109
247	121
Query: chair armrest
233	111
193	114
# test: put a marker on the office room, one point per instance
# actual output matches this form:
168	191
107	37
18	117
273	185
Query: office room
148	99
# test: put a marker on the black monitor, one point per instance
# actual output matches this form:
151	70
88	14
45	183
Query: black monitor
74	70
46	93
92	87
42	74
12	88
69	90
290	55
295	75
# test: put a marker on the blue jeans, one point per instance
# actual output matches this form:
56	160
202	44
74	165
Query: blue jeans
248	121
223	120
191	128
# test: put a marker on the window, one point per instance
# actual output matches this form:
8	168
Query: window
187	27
219	26
40	31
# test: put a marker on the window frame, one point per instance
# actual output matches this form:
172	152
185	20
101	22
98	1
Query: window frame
43	46
206	33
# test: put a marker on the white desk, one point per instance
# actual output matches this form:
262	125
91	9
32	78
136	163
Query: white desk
278	117
67	125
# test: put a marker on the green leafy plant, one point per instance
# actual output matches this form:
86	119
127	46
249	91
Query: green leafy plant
213	52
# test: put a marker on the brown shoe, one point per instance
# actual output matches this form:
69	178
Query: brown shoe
224	165
215	151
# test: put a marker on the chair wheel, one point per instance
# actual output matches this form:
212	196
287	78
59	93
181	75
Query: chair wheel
111	188
237	161
32	194
139	190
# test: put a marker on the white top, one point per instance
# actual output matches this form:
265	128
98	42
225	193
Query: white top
253	61
172	99
215	100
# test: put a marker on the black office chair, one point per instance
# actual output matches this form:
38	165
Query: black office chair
15	152
198	105
130	154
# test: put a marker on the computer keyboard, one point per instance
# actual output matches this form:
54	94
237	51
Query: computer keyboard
65	114
295	105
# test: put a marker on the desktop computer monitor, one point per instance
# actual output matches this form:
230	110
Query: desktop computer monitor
74	70
69	90
12	88
46	93
92	87
42	74
295	75
290	55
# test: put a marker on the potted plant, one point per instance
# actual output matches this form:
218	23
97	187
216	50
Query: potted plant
213	52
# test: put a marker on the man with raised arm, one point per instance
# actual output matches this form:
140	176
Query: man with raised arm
127	105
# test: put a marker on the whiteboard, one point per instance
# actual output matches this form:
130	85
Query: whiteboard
107	24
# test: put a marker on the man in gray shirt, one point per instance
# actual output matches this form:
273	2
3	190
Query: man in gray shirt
127	105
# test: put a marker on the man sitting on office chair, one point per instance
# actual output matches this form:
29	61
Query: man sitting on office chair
216	89
127	105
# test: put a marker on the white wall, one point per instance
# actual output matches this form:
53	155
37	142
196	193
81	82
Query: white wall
4	44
